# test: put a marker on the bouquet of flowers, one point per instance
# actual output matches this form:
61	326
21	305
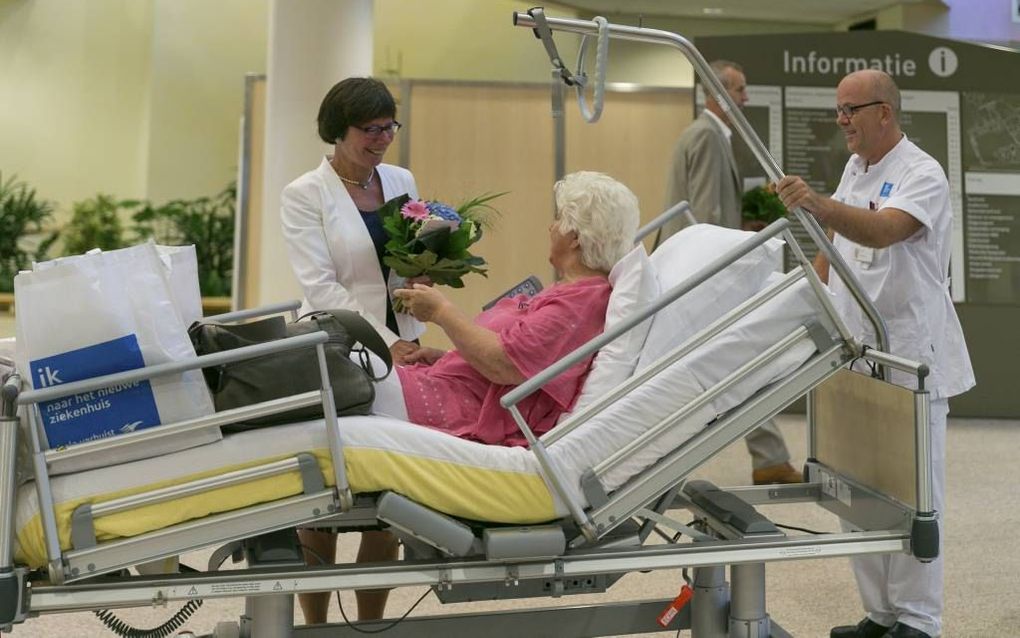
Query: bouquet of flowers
429	238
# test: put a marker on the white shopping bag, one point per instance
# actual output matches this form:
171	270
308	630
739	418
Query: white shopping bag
182	265
102	313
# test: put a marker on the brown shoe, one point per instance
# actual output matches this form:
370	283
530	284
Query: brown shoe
782	473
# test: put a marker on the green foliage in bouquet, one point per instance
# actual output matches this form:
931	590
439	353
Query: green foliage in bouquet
428	238
761	204
22	216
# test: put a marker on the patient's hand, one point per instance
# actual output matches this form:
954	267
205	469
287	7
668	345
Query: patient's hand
423	302
426	355
424	280
401	349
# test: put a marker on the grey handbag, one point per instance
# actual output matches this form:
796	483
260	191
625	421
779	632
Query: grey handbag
291	372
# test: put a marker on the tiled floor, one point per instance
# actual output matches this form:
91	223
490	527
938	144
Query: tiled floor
805	596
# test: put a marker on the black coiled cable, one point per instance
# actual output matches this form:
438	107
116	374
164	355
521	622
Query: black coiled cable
121	628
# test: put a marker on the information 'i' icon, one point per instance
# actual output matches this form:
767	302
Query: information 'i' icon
943	61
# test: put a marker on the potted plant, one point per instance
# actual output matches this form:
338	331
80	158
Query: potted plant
94	223
23	217
206	222
760	207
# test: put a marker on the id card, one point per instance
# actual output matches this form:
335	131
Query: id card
864	256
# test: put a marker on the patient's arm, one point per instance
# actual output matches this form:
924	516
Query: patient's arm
479	346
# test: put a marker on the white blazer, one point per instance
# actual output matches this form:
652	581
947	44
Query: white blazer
332	253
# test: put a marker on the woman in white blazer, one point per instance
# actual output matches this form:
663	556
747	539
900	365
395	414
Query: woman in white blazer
329	215
335	240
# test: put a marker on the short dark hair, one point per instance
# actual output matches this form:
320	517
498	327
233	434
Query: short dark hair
352	102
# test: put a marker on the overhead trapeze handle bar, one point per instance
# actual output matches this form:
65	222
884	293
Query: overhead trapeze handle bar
580	80
736	117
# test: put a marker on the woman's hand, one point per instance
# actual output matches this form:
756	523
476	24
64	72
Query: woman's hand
426	355
401	350
421	301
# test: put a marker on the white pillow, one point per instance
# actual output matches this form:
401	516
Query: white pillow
683	255
635	286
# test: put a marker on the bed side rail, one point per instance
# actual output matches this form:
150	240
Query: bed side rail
670	470
679	209
87	558
512	398
41	458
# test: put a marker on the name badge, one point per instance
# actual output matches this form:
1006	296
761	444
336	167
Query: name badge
886	189
864	256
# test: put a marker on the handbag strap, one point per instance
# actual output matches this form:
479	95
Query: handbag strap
363	332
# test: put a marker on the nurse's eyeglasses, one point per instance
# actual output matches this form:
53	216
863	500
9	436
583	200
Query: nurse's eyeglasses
848	110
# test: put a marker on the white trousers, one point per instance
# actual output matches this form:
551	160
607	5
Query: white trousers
897	587
767	446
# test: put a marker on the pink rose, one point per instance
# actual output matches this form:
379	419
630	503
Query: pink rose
415	210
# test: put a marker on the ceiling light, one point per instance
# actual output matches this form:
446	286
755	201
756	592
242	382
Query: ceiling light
712	11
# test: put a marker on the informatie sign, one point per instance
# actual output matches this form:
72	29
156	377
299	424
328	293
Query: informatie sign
953	106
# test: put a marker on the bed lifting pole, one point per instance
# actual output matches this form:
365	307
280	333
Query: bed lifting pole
715	88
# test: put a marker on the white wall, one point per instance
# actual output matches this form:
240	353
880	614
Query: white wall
76	79
201	51
135	98
141	98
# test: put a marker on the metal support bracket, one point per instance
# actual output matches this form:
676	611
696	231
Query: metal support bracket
593	490
543	33
819	335
83	528
674	525
513	576
558	586
445	580
311	476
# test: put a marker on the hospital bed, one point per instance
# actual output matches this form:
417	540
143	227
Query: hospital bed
724	346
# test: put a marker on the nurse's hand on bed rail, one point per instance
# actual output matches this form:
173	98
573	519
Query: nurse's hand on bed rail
794	192
877	226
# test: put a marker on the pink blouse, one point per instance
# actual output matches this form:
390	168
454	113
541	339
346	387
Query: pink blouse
535	332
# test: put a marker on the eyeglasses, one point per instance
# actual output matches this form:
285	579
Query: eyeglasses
848	110
375	130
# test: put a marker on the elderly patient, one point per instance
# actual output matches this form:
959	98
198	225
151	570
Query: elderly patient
459	391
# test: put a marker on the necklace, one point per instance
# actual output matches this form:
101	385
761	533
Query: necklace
363	185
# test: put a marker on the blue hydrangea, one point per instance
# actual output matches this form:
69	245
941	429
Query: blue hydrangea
443	211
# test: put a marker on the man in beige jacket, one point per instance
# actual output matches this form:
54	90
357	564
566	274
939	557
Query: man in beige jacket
704	173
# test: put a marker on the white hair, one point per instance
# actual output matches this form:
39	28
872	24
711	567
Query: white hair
603	212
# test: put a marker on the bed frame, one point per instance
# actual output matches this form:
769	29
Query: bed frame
584	553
